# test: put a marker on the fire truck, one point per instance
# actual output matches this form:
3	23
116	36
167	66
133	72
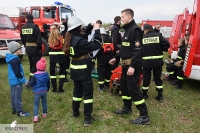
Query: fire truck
181	25
44	16
166	26
191	66
8	33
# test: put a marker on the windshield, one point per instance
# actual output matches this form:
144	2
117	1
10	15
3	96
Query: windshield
66	13
5	22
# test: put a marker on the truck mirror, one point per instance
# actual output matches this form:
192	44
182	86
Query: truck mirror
62	28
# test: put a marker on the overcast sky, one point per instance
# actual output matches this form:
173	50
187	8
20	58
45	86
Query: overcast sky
106	10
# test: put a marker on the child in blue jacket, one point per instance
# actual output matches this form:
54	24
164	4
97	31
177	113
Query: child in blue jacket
16	78
40	84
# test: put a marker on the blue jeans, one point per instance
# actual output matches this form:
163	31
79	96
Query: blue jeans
37	97
16	97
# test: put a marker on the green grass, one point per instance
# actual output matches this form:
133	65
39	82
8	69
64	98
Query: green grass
178	113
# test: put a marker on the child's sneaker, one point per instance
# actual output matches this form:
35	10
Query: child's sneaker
44	115
23	114
35	119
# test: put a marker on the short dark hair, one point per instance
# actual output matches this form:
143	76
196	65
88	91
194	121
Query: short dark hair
99	21
117	18
128	11
182	40
187	34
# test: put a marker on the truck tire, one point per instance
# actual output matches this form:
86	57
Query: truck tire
45	47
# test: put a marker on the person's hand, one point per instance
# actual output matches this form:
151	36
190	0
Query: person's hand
130	71
112	61
96	26
117	51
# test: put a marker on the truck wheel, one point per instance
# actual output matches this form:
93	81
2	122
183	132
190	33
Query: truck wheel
45	47
21	56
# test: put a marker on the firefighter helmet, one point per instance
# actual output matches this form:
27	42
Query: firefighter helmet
74	22
103	31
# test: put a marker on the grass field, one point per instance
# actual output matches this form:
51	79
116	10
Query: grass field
179	113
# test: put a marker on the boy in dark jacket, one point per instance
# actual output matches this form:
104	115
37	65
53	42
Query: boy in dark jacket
16	78
40	84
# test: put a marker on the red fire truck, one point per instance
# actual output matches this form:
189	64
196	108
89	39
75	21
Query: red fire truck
8	33
43	17
181	25
166	26
191	66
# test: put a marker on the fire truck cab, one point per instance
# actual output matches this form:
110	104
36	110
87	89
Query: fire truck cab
44	16
191	66
8	33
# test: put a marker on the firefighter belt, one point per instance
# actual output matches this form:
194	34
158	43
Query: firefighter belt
126	62
31	44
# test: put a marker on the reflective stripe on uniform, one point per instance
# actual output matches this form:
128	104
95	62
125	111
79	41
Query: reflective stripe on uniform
127	44
52	77
31	74
159	87
139	102
56	53
126	97
101	82
88	101
145	88
152	57
71	51
27	31
78	66
180	58
93	60
67	70
150	40
171	72
106	80
180	78
61	76
77	99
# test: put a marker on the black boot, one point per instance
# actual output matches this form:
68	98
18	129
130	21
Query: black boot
145	96
54	85
126	109
160	96
88	120
143	119
75	108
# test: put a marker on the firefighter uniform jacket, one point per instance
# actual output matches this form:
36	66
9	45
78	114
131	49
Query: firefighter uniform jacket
56	54
181	53
132	45
30	33
80	69
153	46
116	36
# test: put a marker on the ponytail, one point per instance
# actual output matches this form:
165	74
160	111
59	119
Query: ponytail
66	46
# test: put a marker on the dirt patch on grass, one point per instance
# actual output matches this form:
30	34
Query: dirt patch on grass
183	119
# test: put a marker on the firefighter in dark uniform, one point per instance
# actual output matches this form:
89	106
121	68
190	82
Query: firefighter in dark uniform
175	69
116	37
81	66
31	38
56	55
131	56
153	46
104	56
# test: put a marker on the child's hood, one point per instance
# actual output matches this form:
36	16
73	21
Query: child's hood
9	57
41	76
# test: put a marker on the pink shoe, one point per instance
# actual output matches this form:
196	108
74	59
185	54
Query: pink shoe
44	115
35	119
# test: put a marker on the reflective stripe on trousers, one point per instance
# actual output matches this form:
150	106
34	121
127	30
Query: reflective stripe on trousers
31	74
171	73
88	101
106	80
139	102
180	78
101	82
159	87
145	88
78	66
52	77
126	97
61	76
77	99
56	53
